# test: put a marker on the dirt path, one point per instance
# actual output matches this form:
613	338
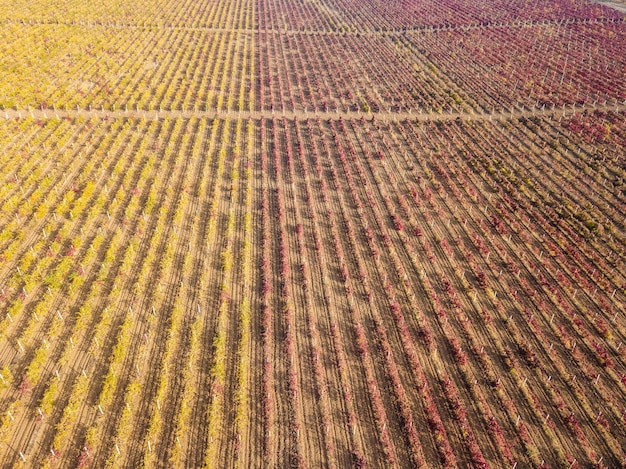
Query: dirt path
361	32
386	116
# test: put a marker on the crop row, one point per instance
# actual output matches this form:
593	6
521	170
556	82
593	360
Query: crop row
93	317
483	280
81	256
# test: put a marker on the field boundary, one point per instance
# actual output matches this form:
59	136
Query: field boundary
429	29
385	116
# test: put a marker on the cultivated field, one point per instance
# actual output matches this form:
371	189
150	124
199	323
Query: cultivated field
333	233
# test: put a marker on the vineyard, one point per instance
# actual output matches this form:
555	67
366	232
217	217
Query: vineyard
332	233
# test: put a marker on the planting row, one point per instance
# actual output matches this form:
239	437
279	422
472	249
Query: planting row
320	15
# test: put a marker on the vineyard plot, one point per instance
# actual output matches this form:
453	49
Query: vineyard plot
383	16
312	234
125	69
118	14
312	292
331	73
552	65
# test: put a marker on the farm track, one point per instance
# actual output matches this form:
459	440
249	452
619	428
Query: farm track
361	32
516	113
